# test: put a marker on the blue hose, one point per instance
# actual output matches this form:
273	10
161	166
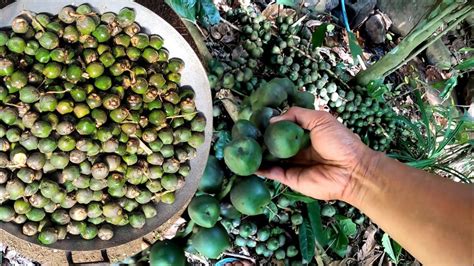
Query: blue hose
344	15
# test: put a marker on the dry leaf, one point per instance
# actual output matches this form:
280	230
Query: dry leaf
171	232
327	52
387	21
344	55
273	10
344	262
367	250
313	23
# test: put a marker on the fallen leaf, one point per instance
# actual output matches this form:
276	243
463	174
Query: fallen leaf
327	52
215	33
274	10
171	232
386	19
368	248
344	55
344	262
245	3
313	23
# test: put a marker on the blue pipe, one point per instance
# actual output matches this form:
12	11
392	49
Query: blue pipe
344	15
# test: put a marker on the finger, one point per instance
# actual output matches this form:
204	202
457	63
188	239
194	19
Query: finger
306	156
287	177
306	118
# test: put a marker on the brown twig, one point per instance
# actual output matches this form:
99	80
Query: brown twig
55	92
239	256
230	24
179	116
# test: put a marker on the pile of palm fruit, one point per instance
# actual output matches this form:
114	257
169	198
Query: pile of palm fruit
94	126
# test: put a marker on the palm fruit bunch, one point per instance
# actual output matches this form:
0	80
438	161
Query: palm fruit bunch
239	72
269	241
288	52
254	139
233	210
94	126
274	239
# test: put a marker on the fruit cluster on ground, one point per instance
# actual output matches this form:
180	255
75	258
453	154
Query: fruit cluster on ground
285	49
276	67
95	129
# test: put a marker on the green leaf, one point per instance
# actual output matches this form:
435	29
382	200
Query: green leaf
392	248
354	46
185	8
271	210
187	230
466	50
306	239
298	197
290	3
208	13
376	89
319	35
340	243
314	215
347	226
227	187
467	64
448	86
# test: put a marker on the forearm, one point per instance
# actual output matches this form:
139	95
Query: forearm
428	215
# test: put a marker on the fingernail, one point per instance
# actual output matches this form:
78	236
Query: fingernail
274	119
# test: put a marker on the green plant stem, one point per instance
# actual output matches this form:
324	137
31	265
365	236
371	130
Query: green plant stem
434	39
424	31
198	38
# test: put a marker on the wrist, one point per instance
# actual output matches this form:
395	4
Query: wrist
362	175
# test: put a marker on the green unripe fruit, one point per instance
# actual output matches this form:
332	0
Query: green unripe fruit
16	45
95	69
211	181
18	79
211	242
85	126
49	40
250	196
6	213
296	219
126	17
244	128
101	33
243	156
21	206
35	215
48	236
164	253
103	83
52	70
204	210
6	67
283	139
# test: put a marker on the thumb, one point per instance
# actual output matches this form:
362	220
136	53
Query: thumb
306	118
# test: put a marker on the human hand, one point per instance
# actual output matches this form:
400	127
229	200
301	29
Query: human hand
323	170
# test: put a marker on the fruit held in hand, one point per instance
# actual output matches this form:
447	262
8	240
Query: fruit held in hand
283	139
